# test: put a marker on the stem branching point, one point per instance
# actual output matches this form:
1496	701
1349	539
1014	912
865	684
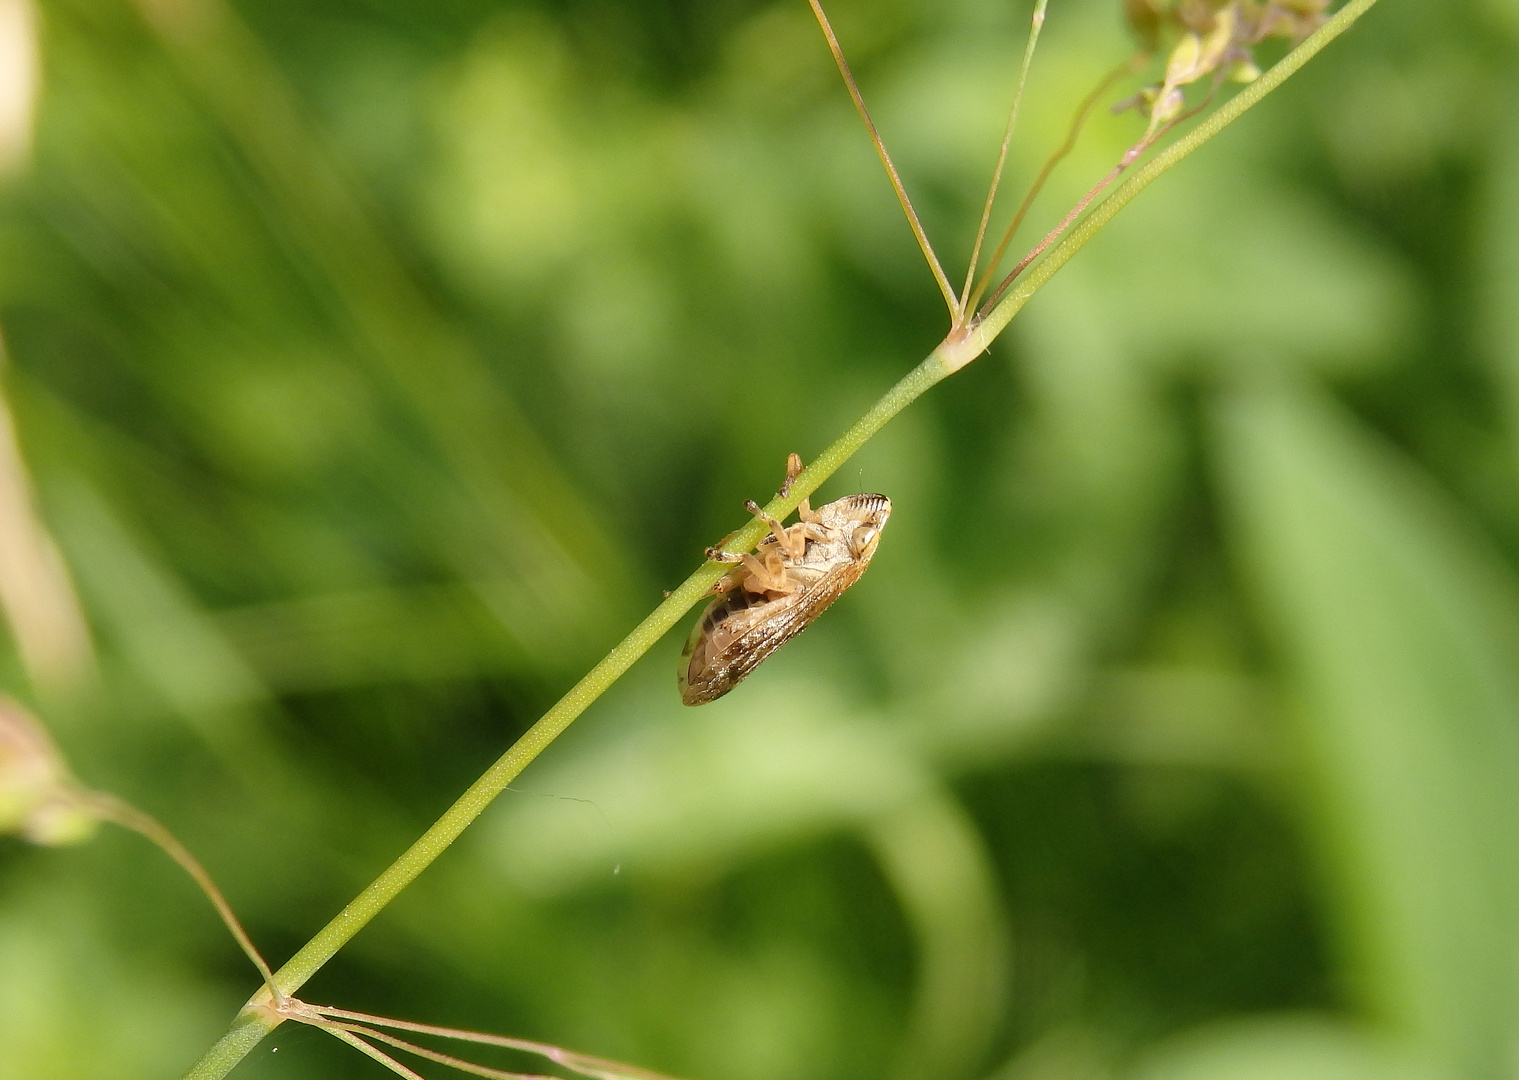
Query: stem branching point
958	349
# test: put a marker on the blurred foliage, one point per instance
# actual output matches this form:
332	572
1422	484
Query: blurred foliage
377	363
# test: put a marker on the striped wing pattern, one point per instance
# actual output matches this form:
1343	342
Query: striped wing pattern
738	631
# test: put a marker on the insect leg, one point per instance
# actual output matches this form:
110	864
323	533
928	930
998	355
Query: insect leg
731	580
767	576
776	528
792	541
793	470
727	583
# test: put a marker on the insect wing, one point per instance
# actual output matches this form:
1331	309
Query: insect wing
738	631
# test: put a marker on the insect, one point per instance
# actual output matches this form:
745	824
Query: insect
775	593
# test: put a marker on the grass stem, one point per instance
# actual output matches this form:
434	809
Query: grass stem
966	300
954	353
891	170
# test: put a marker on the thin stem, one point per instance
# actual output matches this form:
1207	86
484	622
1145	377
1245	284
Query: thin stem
997	319
1007	139
581	1063
257	1020
433	1055
891	170
1065	223
109	808
337	1031
1072	135
1131	155
952	354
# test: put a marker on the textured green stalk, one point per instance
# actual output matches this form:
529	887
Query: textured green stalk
254	1022
247	1031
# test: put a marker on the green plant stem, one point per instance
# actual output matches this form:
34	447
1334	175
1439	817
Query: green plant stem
255	1021
967	302
998	318
108	807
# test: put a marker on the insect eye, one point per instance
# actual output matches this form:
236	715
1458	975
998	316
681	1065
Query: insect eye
862	538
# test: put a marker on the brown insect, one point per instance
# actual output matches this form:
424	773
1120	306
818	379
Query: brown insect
775	593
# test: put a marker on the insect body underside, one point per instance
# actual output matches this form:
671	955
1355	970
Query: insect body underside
795	573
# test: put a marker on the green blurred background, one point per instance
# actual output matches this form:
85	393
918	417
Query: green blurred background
377	363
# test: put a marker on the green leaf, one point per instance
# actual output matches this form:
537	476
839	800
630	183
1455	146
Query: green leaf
1275	1048
1396	624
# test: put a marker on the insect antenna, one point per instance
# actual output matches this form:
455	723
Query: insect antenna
967	300
945	287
